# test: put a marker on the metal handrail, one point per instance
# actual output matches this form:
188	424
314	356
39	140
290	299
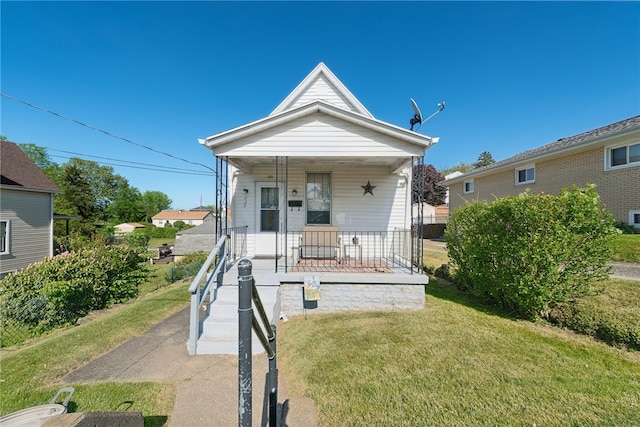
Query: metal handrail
198	294
247	292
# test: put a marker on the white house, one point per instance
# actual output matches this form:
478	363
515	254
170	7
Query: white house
320	178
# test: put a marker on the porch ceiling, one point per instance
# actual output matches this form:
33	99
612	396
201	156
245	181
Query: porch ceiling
246	164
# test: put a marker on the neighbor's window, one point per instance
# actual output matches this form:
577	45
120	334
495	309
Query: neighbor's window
526	175
623	156
4	237
318	198
467	187
634	219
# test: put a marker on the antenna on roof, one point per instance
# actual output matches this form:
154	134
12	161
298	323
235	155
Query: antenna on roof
417	117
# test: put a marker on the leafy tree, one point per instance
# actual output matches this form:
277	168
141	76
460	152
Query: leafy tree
433	192
41	158
76	196
461	167
127	206
485	158
154	202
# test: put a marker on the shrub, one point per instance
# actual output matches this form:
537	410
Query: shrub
531	252
60	290
624	227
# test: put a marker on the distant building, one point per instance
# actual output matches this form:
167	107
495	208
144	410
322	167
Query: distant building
188	217
127	227
608	157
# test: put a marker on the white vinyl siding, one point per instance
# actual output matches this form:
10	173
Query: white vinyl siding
322	89
319	135
30	239
351	210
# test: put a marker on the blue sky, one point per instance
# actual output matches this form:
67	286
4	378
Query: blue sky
514	75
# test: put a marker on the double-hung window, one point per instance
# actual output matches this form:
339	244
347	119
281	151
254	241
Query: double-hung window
626	155
318	197
525	175
4	237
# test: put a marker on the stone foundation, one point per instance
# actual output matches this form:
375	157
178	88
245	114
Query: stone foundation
351	297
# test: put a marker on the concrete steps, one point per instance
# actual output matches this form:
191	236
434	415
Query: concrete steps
220	328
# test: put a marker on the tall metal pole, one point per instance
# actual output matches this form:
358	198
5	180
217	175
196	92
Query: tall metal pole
245	317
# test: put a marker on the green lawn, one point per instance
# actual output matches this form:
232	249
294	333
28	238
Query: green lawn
455	363
31	374
627	248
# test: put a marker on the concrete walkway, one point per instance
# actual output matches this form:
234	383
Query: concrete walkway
206	385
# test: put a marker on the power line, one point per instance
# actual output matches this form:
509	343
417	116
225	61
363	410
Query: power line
103	131
146	168
159	167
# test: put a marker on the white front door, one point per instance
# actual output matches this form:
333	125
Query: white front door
269	218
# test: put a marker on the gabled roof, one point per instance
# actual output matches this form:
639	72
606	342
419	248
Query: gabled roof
582	141
311	108
17	171
181	215
322	84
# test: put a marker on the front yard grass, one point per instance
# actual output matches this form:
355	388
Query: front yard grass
455	363
627	248
31	374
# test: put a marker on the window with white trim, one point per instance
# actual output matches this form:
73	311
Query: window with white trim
623	156
634	219
318	197
4	237
526	175
468	187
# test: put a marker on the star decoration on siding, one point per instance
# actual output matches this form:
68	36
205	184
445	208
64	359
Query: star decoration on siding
368	188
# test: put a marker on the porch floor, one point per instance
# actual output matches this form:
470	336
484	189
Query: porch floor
340	266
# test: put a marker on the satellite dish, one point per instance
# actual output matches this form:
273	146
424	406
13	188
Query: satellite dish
417	118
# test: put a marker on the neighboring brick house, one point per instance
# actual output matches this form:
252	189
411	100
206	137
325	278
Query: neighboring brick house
26	210
608	157
188	217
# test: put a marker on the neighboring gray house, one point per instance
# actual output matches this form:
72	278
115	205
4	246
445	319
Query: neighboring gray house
26	210
200	238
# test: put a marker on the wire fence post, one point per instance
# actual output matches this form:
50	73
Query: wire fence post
245	317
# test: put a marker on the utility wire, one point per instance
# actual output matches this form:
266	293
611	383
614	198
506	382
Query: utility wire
145	168
158	167
103	131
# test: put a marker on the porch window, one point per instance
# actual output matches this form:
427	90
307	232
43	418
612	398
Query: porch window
269	209
526	175
318	198
627	155
4	237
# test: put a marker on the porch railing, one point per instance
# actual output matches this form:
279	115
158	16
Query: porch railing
375	251
231	246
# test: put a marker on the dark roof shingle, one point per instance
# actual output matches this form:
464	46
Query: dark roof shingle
17	170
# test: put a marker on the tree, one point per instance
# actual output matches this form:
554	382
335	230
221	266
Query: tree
154	202
461	167
127	206
485	158
41	158
433	192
